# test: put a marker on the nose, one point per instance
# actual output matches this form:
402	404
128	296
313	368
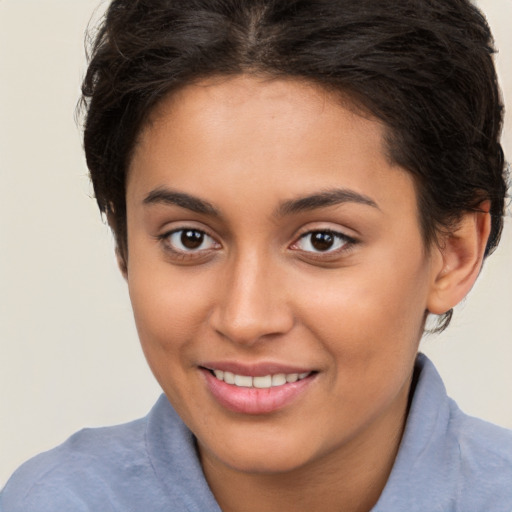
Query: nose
252	304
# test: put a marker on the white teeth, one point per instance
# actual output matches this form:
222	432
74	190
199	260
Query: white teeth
229	377
243	381
278	379
262	382
267	381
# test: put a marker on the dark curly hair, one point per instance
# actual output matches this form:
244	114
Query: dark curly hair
423	67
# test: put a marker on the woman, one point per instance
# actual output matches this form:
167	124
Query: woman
294	187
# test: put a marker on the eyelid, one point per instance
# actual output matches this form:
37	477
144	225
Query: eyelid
327	227
187	254
335	234
169	228
348	243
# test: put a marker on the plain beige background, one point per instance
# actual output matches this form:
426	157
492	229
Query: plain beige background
69	355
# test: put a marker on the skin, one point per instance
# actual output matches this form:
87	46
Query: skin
257	290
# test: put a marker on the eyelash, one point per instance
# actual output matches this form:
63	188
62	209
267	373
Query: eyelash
346	242
166	238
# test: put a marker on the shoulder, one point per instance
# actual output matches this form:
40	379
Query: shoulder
447	460
476	436
484	455
476	455
148	464
74	475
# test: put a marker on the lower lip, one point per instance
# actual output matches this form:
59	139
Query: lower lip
255	400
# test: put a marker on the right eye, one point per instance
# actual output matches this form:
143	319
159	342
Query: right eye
188	241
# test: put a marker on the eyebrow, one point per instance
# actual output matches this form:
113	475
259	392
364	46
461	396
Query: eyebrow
323	199
187	201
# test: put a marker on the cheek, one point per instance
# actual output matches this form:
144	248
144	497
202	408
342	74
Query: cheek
169	314
169	307
370	312
370	326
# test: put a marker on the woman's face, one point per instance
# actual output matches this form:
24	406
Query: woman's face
277	271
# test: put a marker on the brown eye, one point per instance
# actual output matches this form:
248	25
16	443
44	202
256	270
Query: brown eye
323	241
189	241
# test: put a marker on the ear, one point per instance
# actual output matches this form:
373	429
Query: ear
460	256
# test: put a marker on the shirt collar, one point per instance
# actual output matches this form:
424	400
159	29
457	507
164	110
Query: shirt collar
424	470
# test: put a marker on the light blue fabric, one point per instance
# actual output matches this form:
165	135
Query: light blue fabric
447	462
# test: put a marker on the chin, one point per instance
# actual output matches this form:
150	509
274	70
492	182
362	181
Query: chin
266	462
273	455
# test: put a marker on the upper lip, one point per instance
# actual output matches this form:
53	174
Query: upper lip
255	369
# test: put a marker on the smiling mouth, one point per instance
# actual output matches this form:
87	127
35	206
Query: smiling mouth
263	382
266	390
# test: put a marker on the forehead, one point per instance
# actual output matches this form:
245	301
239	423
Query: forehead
295	135
222	99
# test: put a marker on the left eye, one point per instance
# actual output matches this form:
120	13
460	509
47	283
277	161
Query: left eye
190	240
322	241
